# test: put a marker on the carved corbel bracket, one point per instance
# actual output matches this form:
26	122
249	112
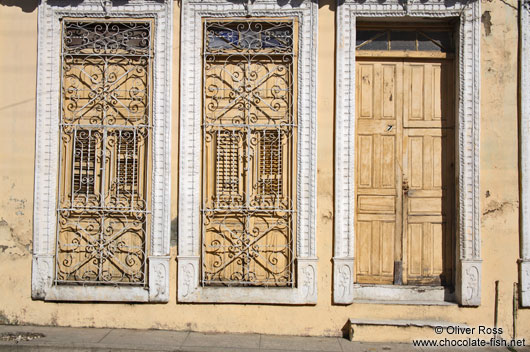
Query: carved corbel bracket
343	278
159	278
469	289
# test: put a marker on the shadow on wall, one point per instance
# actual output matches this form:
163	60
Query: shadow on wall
31	5
174	231
297	3
24	5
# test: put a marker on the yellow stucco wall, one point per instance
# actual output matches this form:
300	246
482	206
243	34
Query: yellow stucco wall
499	202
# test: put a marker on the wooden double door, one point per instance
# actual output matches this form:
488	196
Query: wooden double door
404	171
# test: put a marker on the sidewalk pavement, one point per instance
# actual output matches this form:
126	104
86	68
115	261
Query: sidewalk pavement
42	338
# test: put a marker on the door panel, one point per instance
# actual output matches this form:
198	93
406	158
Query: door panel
428	94
404	171
378	94
374	247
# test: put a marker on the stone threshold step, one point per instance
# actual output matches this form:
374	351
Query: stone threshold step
395	322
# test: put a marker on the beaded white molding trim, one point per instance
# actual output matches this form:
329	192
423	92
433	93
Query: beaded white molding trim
189	241
524	262
468	213
47	149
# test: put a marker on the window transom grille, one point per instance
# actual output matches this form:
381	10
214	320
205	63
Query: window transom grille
405	39
105	127
249	138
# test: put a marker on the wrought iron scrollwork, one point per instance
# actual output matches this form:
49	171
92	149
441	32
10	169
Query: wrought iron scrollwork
103	208
249	148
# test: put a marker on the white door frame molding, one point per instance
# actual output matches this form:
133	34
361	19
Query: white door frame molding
47	151
524	261
189	242
468	263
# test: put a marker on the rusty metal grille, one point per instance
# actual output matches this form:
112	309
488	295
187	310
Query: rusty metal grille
270	179
227	165
105	128
249	138
84	162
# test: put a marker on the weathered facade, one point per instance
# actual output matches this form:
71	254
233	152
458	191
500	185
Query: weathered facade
306	164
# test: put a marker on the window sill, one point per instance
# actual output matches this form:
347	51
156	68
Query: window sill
99	294
190	290
156	290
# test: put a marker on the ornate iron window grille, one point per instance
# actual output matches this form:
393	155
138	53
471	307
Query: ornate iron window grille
103	206
249	139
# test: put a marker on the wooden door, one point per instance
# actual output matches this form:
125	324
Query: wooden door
428	172
404	171
378	202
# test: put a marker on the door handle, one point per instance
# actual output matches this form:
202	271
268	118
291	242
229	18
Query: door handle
405	187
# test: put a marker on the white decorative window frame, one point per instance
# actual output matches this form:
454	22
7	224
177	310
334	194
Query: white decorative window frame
524	262
47	150
468	263
189	241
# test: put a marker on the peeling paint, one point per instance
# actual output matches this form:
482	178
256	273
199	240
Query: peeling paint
19	205
486	21
53	319
327	216
504	2
5	320
495	208
10	243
